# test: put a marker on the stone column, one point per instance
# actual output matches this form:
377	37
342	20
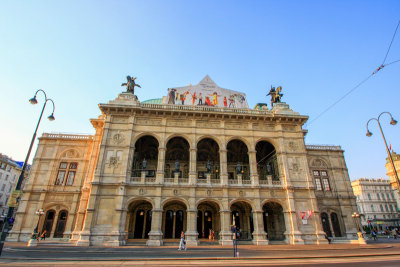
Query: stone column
259	235
191	231
253	168
225	236
155	235
160	165
292	233
192	166
224	166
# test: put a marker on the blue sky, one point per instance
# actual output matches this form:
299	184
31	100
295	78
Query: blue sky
79	52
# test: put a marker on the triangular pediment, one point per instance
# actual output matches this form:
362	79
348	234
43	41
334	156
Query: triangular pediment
207	81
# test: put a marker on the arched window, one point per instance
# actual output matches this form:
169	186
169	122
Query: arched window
61	222
48	223
381	207
335	224
369	196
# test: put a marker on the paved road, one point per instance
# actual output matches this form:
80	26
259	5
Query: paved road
376	254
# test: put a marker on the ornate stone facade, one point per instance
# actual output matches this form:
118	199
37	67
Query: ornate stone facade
260	177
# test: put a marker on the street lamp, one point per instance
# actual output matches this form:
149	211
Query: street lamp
39	213
369	134
10	211
356	217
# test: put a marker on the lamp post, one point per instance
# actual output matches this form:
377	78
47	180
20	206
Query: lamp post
369	134
356	217
17	192
34	236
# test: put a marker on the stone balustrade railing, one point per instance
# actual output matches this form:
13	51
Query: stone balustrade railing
323	147
68	136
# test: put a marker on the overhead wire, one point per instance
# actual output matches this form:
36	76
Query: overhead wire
363	81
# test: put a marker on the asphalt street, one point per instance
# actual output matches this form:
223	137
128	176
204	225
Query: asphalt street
376	253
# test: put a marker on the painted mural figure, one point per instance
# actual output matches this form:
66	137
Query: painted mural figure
208	102
225	102
171	99
130	84
231	102
194	97
215	99
200	99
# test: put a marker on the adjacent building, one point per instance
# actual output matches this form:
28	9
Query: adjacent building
392	176
195	160
376	201
9	173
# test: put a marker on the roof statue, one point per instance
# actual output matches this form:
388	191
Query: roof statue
275	95
130	84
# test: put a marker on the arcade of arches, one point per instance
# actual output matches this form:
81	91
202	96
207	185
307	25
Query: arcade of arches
180	159
210	221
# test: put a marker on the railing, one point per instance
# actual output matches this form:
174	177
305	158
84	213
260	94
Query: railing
136	179
68	136
215	181
169	180
263	181
201	181
246	182
323	147
276	182
232	181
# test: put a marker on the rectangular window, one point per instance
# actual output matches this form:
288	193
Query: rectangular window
318	184
60	177
324	173
63	165
2	187
70	178
66	173
14	177
3	166
6	177
73	165
1	175
9	189
327	187
316	173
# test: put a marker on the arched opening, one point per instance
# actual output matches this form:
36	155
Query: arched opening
145	156
335	224
325	224
177	158
61	222
267	164
207	159
274	221
48	222
174	219
237	159
242	218
139	218
208	220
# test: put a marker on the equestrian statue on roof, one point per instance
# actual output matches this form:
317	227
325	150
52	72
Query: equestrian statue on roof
130	84
275	95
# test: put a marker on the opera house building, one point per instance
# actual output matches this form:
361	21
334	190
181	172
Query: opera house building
197	160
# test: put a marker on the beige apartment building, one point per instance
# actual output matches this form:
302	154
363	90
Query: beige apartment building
9	173
376	202
194	160
392	177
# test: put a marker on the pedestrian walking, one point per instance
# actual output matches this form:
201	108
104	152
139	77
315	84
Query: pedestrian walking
182	244
43	235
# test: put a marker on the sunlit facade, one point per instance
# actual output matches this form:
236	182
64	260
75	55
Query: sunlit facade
154	169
